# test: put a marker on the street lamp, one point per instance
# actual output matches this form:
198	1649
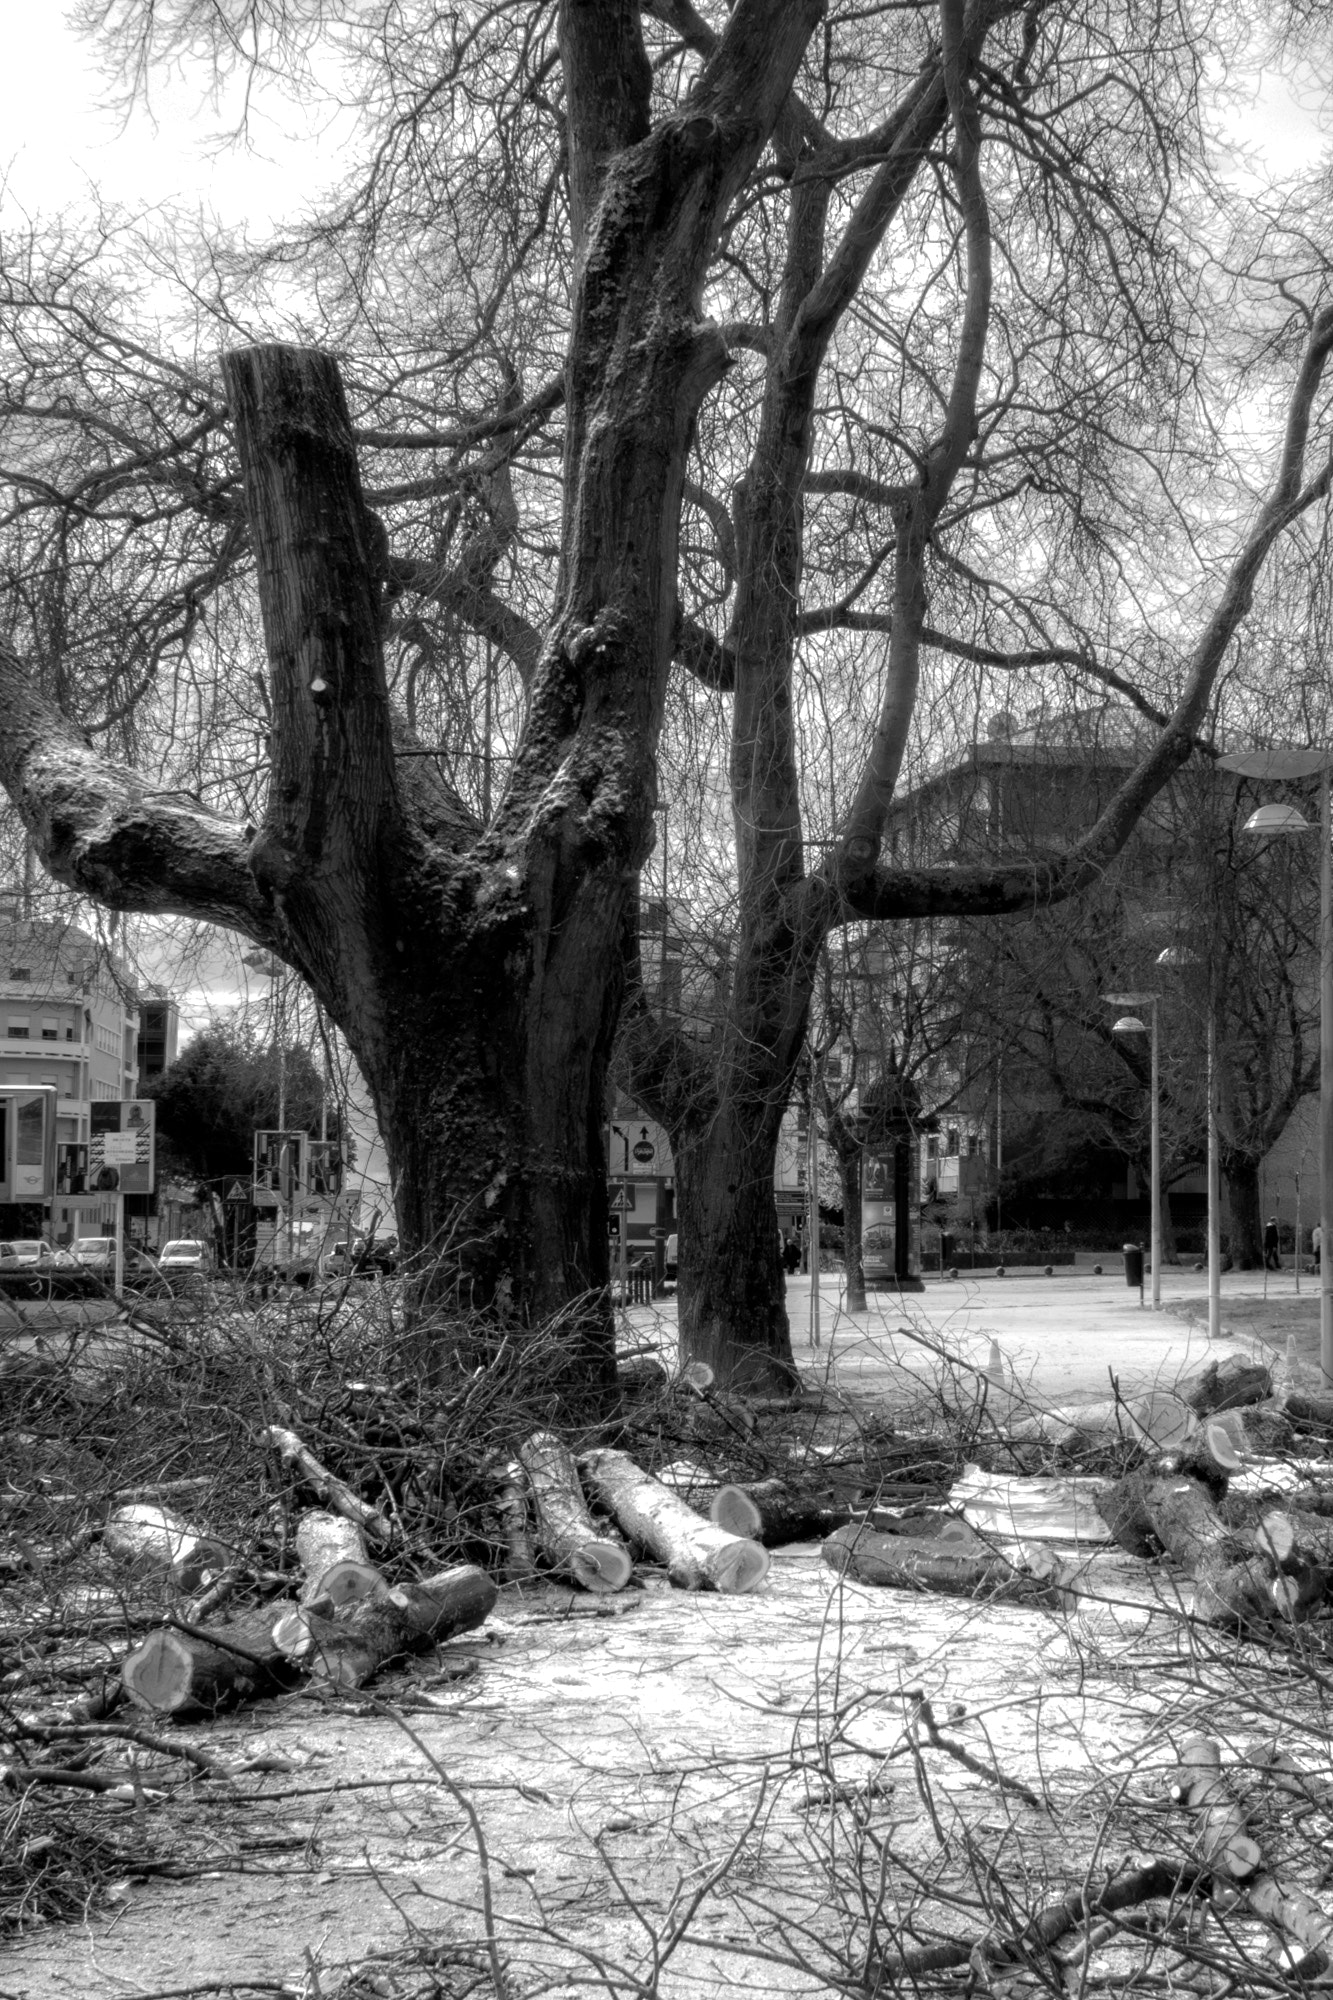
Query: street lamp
1279	819
1130	1024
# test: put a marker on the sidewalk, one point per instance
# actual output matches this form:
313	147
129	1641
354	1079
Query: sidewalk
1062	1337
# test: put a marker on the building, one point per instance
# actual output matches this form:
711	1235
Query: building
69	1017
159	1025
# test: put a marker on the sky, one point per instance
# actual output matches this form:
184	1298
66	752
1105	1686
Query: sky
58	136
59	139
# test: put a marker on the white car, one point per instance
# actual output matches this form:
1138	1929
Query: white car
183	1253
26	1253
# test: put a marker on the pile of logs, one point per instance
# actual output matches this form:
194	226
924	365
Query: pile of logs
1251	1564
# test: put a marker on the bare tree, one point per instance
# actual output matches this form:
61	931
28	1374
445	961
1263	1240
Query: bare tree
810	286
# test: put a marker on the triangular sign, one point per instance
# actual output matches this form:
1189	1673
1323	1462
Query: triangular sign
238	1191
622	1202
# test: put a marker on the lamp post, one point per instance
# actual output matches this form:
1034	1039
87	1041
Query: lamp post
1290	763
1129	1024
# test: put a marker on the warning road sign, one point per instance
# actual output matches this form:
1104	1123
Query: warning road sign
622	1202
237	1192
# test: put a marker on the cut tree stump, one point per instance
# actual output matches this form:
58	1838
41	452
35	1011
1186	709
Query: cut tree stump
149	1538
174	1672
333	1555
698	1554
567	1535
1225	1384
901	1562
1232	1584
361	1637
777	1511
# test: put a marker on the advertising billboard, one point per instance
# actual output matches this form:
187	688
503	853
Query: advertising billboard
121	1133
27	1142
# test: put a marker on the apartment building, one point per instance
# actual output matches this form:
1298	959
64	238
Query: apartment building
69	1017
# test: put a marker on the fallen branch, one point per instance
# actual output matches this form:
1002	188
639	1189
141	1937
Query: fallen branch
330	1489
148	1538
1227	1848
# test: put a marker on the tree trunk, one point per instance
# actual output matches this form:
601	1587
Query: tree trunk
1167	1227
849	1181
1241	1173
733	1311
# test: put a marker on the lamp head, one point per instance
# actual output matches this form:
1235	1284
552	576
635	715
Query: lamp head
1276	819
1129	1024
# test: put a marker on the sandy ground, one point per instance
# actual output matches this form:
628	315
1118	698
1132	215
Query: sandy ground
623	1757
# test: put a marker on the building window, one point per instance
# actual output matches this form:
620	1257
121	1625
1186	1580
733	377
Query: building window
18	1028
50	1030
69	1034
833	1068
20	972
951	1143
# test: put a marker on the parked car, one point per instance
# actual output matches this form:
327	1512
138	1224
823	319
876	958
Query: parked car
669	1261
26	1252
183	1253
97	1254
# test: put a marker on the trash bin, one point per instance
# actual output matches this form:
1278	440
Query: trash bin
946	1250
1134	1265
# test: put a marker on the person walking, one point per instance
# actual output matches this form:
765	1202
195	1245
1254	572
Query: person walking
1272	1262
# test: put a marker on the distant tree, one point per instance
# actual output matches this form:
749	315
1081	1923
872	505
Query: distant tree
224	1087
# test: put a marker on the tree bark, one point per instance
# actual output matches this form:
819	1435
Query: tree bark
1232	1585
1245	1221
902	1562
732	1295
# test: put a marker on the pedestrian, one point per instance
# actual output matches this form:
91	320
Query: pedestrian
1272	1262
1316	1242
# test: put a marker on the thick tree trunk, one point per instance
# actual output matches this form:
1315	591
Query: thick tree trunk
849	1181
1241	1172
733	1312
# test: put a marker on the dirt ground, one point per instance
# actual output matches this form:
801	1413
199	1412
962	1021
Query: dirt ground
677	1795
617	1753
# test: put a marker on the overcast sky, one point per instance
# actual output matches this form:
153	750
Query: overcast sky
57	136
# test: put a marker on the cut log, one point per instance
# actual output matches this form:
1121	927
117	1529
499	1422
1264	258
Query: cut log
347	1649
1294	1535
1225	1384
778	1511
1229	1849
331	1490
333	1555
1210	1455
516	1525
175	1672
1158	1422
150	1539
900	1562
698	1554
1232	1584
1313	1414
567	1535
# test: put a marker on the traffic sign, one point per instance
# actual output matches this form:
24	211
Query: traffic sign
238	1192
622	1201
